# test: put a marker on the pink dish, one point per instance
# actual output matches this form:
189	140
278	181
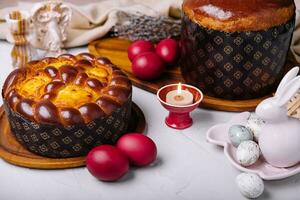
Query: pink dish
218	135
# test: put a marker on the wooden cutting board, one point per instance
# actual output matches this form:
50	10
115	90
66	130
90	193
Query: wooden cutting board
13	152
116	50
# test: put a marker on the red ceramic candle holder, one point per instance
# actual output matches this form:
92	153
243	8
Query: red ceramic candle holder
179	116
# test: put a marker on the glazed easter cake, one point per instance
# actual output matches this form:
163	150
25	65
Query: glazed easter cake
236	49
64	106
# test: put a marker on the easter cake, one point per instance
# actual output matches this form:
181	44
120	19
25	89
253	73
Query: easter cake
64	106
236	49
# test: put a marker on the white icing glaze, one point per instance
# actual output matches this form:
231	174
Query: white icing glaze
216	12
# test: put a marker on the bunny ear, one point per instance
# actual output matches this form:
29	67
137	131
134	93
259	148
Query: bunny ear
288	77
288	91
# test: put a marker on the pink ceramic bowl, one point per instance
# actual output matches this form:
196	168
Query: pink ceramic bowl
218	135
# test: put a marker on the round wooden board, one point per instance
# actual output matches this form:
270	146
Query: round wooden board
13	152
116	50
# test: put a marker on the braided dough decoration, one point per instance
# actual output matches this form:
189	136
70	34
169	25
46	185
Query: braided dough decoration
67	90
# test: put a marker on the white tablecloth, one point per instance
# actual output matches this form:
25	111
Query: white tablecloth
188	167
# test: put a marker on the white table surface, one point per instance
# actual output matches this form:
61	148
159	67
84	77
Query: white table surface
187	168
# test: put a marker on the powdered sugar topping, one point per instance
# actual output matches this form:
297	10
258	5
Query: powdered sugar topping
216	12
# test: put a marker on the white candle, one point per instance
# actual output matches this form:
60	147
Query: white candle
179	97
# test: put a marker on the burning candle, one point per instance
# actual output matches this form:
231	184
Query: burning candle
179	97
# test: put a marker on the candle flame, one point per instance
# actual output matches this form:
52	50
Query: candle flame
179	88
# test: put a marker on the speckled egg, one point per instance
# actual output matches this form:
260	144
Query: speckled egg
247	153
238	134
254	124
250	185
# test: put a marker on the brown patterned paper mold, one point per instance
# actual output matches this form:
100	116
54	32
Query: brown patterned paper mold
236	49
64	106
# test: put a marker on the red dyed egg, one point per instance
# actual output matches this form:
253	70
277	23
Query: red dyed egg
107	163
168	51
139	47
147	66
139	149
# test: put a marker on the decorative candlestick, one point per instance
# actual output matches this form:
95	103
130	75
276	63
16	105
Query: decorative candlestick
179	100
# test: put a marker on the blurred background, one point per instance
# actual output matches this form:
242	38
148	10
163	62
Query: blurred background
4	3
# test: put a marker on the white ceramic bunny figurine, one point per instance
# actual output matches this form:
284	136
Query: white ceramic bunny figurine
279	139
